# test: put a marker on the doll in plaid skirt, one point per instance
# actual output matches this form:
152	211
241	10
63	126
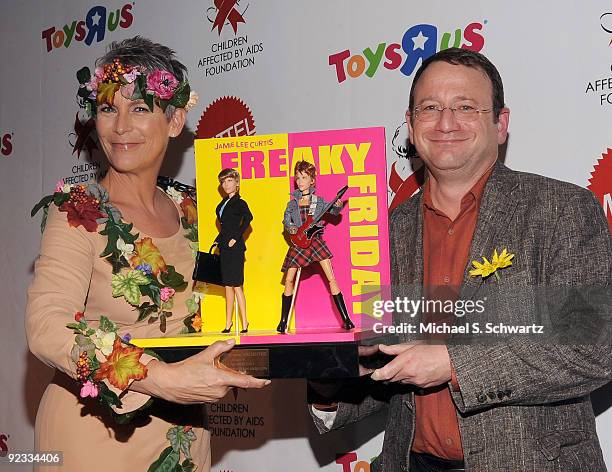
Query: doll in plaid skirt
305	202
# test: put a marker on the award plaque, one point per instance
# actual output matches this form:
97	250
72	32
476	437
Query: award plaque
351	235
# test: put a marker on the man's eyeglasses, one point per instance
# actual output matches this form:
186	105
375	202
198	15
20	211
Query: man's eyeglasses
460	112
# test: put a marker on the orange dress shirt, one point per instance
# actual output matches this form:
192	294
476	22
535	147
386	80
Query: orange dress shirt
446	246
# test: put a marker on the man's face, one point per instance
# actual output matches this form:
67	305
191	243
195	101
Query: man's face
450	145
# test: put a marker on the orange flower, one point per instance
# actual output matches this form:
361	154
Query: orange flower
197	323
147	253
189	210
121	366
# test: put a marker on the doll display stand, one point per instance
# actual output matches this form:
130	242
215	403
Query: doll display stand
315	344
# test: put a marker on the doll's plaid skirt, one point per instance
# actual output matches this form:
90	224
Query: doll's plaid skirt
317	251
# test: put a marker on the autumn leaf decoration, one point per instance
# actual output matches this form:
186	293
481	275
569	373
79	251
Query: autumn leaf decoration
147	253
121	366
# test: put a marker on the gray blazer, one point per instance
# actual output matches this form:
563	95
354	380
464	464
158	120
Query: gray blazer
523	405
292	212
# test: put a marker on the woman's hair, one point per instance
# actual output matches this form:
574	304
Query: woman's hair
305	167
229	174
147	55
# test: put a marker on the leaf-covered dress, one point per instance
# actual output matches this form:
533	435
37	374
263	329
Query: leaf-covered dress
70	276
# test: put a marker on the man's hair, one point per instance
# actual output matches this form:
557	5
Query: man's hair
229	173
467	58
305	167
146	54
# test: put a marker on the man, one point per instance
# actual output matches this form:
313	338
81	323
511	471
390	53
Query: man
521	404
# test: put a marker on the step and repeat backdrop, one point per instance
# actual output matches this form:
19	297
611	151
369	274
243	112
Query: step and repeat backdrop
272	66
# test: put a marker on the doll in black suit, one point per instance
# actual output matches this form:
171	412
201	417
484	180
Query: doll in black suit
234	216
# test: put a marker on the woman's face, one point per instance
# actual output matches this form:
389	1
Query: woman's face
229	186
133	138
303	181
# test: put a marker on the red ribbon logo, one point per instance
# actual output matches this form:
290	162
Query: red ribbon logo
227	12
83	136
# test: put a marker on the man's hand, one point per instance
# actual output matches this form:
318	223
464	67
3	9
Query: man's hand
366	351
423	365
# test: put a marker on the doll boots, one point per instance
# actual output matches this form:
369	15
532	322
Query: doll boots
338	301
286	306
346	321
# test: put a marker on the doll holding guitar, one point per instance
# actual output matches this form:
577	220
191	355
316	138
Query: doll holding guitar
302	221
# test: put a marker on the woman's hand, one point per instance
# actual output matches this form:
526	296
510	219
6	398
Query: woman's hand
196	379
231	243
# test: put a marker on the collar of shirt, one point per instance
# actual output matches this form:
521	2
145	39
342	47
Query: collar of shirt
474	195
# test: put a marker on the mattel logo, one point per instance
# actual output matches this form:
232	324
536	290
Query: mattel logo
418	43
97	21
3	444
6	146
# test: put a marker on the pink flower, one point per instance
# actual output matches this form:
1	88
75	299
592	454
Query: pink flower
166	293
89	389
162	83
58	186
131	77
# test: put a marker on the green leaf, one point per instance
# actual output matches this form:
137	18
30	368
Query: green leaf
107	325
145	310
83	75
75	326
43	221
148	99
188	466
140	89
173	279
83	92
44	202
181	95
166	462
117	262
115	230
192	306
151	291
162	322
108	396
60	197
128	285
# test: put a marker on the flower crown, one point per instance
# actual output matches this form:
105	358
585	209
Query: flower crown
158	86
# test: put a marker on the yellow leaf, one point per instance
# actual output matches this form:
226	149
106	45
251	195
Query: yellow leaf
106	93
147	253
486	268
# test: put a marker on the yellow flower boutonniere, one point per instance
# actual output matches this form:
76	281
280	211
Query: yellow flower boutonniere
486	268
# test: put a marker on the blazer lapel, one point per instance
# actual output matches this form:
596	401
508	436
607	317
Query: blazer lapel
496	207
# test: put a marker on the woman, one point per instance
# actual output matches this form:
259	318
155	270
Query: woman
304	202
234	216
109	280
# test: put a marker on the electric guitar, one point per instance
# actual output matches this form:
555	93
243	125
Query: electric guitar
305	233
